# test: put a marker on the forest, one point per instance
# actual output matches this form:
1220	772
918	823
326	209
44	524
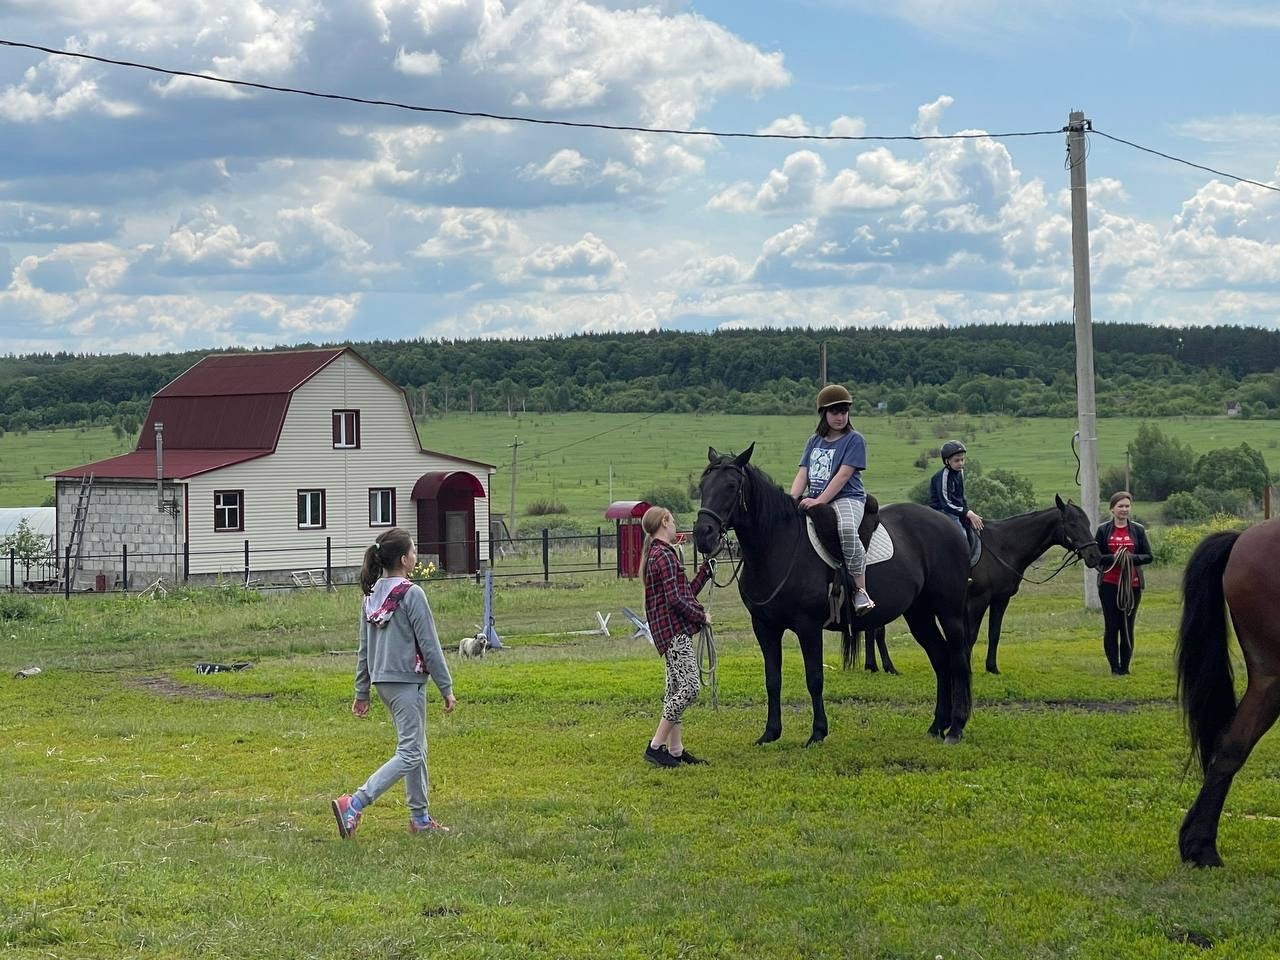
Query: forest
1019	370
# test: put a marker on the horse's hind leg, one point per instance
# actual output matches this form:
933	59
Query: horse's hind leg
884	651
770	640
870	664
925	630
995	619
811	649
1259	707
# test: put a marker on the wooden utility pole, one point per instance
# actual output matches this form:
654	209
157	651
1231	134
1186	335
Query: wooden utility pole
822	364
1085	406
511	524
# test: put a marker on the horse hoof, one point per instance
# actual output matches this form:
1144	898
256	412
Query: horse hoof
935	732
992	669
815	738
1200	859
872	669
768	737
893	671
953	738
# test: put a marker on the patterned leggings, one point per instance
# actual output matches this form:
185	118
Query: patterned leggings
682	678
849	515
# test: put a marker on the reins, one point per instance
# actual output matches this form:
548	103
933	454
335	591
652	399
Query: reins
1073	557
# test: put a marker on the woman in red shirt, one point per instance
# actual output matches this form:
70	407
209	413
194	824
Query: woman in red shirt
1117	538
671	604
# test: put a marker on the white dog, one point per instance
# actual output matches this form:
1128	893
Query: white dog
473	646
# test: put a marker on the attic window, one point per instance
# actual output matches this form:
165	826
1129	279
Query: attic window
346	429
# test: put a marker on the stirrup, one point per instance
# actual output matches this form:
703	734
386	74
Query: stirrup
862	602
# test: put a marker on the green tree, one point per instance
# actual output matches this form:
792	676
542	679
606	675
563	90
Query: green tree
1161	465
26	544
673	498
1000	494
1232	468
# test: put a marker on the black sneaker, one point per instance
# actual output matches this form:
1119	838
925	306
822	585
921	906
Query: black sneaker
688	757
660	757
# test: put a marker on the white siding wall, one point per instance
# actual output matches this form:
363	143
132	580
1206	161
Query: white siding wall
389	456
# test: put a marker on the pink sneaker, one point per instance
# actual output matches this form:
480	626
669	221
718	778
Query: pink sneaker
432	825
348	819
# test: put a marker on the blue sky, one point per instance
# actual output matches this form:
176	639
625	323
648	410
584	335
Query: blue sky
151	214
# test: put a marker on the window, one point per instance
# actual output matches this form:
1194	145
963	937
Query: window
310	509
346	429
228	510
382	507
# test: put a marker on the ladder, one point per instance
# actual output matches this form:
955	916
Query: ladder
76	543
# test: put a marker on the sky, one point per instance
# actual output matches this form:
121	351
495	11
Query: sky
149	213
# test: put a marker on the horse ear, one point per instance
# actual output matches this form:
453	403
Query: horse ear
1058	500
712	456
744	457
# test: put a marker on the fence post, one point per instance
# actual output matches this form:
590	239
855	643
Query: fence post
617	553
546	556
13	569
246	561
599	549
66	574
328	563
124	566
186	560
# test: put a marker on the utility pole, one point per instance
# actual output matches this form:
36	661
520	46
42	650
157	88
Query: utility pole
1086	409
822	364
514	445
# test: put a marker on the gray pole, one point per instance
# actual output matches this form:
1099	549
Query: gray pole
515	445
1076	127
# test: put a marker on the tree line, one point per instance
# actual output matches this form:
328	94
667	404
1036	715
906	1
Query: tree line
1020	370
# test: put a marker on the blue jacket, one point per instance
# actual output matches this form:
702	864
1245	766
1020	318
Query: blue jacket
946	493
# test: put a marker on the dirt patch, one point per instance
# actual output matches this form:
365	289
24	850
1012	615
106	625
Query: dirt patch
169	687
1087	706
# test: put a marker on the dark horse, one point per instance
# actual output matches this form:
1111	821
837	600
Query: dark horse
1008	548
783	583
1240	570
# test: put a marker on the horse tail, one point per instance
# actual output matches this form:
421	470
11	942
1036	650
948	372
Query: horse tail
1206	688
849	647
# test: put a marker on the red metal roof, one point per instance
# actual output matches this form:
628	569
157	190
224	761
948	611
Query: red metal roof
429	484
246	421
178	464
623	509
232	374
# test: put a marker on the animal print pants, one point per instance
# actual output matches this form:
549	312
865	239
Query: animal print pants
682	678
848	516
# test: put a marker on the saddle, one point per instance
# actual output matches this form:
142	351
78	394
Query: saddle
825	531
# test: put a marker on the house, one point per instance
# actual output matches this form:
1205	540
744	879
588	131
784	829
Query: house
1233	408
270	463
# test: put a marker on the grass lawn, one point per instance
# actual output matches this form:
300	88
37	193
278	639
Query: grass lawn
152	812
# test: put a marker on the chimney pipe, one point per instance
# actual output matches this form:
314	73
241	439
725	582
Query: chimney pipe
159	465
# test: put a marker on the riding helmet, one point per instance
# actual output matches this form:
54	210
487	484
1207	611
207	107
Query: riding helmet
832	394
951	448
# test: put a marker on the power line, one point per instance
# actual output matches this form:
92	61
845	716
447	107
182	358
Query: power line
1198	166
449	111
574	443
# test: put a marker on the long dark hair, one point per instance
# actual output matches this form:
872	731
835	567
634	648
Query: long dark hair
385	553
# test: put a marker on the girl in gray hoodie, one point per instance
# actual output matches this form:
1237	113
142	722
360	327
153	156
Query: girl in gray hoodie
399	650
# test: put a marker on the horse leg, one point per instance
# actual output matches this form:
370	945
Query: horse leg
925	631
769	638
811	649
869	664
884	651
1259	707
998	606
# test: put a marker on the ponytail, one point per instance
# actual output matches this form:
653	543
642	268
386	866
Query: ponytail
383	554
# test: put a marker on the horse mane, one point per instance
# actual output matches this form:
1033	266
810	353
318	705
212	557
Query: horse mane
773	505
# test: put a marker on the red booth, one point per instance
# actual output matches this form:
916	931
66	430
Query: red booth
626	515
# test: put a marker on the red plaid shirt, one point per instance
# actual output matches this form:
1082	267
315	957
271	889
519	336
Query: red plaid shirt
669	598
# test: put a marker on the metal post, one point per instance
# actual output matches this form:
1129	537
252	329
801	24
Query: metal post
1087	413
617	559
328	563
66	574
546	555
186	560
124	566
246	562
13	569
599	549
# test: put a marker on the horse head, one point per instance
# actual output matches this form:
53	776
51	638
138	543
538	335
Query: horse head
723	493
1077	536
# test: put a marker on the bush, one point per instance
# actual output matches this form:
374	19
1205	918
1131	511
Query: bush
1161	465
999	494
919	493
1184	507
1236	503
13	607
1175	544
1232	468
1110	480
673	498
544	507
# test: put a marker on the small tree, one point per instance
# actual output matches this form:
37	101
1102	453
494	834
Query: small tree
673	498
1161	465
26	545
1232	468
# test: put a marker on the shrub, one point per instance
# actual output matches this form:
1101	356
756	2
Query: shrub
673	498
1183	507
1175	544
1237	503
13	607
545	506
1111	479
1161	465
1002	493
1232	468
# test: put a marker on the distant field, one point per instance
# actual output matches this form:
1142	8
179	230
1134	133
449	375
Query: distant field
567	456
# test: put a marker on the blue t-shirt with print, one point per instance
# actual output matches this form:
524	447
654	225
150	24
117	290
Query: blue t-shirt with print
823	458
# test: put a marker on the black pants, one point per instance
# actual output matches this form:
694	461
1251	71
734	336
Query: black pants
1117	631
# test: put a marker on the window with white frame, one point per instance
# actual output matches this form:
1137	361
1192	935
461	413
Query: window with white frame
228	510
382	507
310	509
346	429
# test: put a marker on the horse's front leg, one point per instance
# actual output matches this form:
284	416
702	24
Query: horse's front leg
811	648
770	639
996	620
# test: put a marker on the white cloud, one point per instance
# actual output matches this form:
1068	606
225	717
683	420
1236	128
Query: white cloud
468	232
418	64
588	264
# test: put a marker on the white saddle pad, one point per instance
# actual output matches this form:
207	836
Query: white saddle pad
881	547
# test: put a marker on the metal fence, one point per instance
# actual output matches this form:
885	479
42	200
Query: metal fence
538	557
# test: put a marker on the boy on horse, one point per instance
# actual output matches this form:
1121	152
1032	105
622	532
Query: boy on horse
831	472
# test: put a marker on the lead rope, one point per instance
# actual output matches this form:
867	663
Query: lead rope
707	660
1124	597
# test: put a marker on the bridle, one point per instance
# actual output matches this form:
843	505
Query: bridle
1074	555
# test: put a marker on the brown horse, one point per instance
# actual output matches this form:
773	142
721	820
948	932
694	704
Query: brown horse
1240	570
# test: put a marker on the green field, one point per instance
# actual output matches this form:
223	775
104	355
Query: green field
567	456
153	812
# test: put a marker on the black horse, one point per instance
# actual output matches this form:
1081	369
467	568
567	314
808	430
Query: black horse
783	583
1008	548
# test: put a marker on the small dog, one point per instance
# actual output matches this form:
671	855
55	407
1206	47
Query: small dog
473	646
